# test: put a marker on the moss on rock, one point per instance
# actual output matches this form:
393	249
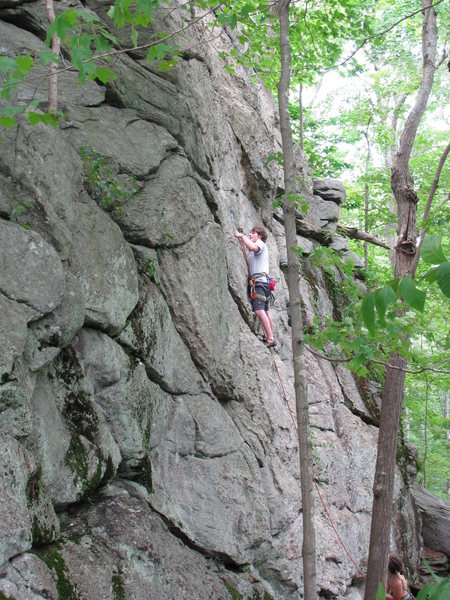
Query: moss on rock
56	564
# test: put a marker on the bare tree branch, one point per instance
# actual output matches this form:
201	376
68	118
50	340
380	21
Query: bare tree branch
377	362
381	33
428	206
355	234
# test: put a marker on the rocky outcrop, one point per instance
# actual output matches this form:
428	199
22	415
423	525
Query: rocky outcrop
435	515
132	374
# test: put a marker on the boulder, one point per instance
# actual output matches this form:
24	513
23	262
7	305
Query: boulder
17	41
166	358
115	134
31	272
196	455
13	332
169	210
329	189
26	514
70	437
435	515
124	393
104	265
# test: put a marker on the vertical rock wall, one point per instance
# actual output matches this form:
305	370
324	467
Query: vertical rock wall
146	448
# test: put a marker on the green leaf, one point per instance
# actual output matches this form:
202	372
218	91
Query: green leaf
432	250
88	17
411	295
63	22
167	65
10	111
47	57
7	64
368	313
134	37
246	10
278	157
443	278
104	75
381	595
393	283
7	121
46	118
430	275
25	62
383	298
101	44
435	591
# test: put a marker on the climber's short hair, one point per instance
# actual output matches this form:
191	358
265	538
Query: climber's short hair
261	232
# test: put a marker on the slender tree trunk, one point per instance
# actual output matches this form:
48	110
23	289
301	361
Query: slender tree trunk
300	110
446	414
425	434
391	227
53	77
366	198
392	397
308	547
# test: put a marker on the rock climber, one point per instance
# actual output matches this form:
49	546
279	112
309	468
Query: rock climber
258	267
396	582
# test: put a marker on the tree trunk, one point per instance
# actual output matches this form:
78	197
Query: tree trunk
425	434
366	198
391	226
300	110
309	545
53	75
405	249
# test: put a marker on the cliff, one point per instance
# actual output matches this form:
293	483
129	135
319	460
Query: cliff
147	451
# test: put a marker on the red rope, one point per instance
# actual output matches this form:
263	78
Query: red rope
313	478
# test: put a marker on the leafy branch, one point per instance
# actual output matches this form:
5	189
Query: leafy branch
382	33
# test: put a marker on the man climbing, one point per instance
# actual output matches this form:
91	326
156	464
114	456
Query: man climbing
258	269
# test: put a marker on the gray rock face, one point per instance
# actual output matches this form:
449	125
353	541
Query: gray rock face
153	565
194	440
105	267
31	272
329	189
169	210
26	513
166	357
435	515
136	396
121	136
15	40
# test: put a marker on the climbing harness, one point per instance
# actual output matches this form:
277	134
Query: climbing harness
253	295
316	485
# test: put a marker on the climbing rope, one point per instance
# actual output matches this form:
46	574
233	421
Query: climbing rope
296	428
316	485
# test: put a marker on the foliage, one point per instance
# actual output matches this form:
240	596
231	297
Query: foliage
433	254
439	590
102	181
151	268
381	594
319	32
91	47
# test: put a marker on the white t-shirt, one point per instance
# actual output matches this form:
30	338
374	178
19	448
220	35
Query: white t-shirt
259	263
